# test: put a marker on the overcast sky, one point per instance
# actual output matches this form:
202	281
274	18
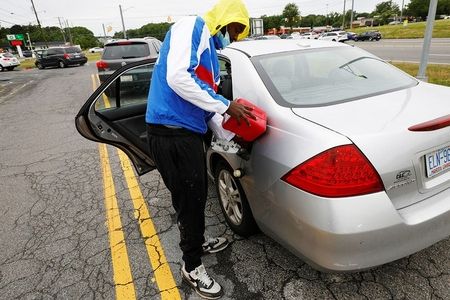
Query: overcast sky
136	13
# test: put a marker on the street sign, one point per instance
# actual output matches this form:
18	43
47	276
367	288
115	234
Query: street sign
13	37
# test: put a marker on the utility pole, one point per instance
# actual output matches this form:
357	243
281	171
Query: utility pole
104	34
39	24
123	24
343	17
427	41
62	30
351	15
401	12
70	34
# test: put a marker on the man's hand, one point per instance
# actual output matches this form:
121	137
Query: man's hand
240	111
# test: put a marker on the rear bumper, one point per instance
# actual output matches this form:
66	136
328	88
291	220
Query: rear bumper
76	61
349	234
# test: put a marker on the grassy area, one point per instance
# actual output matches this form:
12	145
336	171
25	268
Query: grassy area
438	74
441	29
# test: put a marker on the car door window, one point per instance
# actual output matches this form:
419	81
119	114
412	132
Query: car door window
129	89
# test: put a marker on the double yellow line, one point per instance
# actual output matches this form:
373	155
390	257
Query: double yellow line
123	278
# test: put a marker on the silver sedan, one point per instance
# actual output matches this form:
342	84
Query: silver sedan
352	171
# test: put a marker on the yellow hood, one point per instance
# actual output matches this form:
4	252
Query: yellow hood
226	12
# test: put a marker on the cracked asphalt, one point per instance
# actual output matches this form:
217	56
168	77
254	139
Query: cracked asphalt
54	235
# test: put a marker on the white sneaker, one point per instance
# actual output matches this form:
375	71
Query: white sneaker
202	283
213	245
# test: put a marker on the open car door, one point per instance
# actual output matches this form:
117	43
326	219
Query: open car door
115	113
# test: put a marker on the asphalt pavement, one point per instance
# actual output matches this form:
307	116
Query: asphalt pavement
56	237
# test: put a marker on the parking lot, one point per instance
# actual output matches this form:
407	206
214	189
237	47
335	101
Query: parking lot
54	228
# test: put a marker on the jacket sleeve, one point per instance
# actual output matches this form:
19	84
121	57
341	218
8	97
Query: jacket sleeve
189	39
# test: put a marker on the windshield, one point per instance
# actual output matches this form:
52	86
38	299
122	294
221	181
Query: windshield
124	51
327	76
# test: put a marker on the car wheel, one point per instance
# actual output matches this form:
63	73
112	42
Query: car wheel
2	68
355	39
333	40
233	202
62	64
370	39
10	68
39	66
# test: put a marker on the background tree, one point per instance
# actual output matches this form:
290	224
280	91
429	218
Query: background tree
386	10
272	21
419	8
291	14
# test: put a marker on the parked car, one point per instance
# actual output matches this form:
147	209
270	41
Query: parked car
351	35
96	49
60	57
267	37
27	53
352	171
122	52
8	61
334	36
368	36
309	35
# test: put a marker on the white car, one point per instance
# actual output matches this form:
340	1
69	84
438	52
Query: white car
334	36
353	170
309	35
8	61
96	49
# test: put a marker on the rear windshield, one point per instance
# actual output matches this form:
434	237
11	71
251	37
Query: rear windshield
123	51
72	50
327	76
6	54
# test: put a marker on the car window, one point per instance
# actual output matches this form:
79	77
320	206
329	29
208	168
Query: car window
131	88
123	51
7	55
72	50
51	52
327	76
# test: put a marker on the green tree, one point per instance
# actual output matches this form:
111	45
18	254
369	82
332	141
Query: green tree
419	8
291	14
272	21
386	10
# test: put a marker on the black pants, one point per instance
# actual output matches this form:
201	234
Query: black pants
179	156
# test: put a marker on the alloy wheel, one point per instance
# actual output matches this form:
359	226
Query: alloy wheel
230	197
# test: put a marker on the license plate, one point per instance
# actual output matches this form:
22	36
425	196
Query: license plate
126	78
437	162
77	55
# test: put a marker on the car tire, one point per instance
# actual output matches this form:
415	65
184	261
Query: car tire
370	39
61	64
2	68
39	66
333	40
233	201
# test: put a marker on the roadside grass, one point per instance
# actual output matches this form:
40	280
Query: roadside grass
441	29
438	74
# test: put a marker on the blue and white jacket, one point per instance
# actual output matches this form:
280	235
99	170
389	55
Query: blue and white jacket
185	78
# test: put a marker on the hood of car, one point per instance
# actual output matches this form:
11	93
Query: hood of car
380	127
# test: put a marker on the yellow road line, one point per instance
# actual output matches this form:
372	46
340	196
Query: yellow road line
105	98
155	251
123	280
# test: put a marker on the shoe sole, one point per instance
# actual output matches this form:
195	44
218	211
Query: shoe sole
216	250
194	287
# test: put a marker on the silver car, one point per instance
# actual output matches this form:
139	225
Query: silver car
352	171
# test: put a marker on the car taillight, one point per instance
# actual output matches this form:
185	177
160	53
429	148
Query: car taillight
66	56
342	171
101	64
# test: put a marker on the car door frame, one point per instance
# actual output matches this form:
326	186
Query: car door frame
103	131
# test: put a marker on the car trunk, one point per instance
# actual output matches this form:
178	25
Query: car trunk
378	126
